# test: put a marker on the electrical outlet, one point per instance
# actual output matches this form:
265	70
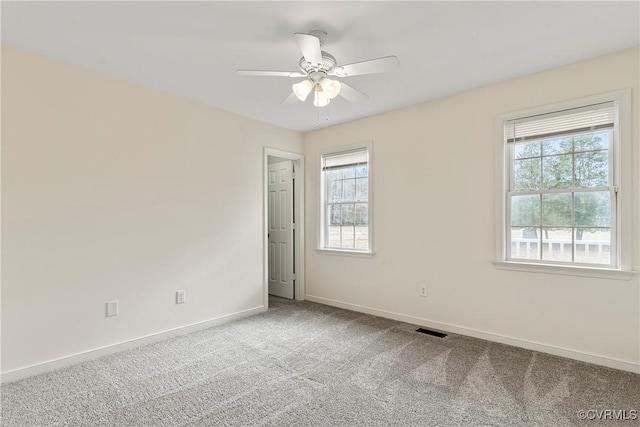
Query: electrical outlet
423	290
181	297
112	308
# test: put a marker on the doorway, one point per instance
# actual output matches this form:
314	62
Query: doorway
283	225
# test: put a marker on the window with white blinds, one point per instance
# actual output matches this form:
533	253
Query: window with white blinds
587	118
561	193
345	201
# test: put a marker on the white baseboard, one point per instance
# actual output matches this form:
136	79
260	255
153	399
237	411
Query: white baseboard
73	359
460	330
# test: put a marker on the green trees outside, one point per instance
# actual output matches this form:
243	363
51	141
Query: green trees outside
349	190
562	165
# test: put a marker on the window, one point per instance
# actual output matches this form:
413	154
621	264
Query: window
345	192
562	187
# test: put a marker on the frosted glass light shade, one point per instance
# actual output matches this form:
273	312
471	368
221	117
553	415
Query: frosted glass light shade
330	87
302	89
320	98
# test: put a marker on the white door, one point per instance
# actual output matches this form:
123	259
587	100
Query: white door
281	229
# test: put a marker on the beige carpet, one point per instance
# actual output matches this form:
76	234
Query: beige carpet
305	364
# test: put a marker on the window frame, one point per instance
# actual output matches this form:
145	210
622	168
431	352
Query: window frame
322	196
619	160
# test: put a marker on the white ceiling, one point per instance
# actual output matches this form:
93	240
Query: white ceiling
192	49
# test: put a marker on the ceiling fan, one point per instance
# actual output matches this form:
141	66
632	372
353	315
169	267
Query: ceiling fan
315	67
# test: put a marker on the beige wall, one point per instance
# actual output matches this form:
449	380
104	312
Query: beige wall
433	187
111	191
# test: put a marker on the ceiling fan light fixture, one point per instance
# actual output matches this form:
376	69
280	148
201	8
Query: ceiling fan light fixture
315	65
320	99
302	89
330	87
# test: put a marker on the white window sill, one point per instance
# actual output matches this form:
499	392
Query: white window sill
344	252
568	270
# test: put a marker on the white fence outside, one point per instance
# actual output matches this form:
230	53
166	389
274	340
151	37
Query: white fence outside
593	251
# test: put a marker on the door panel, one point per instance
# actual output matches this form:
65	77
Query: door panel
280	222
283	263
272	210
272	262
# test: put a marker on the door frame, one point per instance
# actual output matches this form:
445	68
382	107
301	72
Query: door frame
298	209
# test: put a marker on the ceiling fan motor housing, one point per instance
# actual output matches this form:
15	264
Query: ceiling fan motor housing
328	62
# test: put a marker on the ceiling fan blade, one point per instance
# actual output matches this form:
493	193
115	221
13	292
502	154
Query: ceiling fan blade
310	47
291	99
351	94
372	66
263	73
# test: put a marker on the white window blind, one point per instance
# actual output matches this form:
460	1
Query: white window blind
590	117
347	159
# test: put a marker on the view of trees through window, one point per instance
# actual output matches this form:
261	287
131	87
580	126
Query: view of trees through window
560	202
347	210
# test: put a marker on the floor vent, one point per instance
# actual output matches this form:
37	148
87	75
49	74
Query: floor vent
430	332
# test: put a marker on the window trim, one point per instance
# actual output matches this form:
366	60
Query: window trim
336	150
621	160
